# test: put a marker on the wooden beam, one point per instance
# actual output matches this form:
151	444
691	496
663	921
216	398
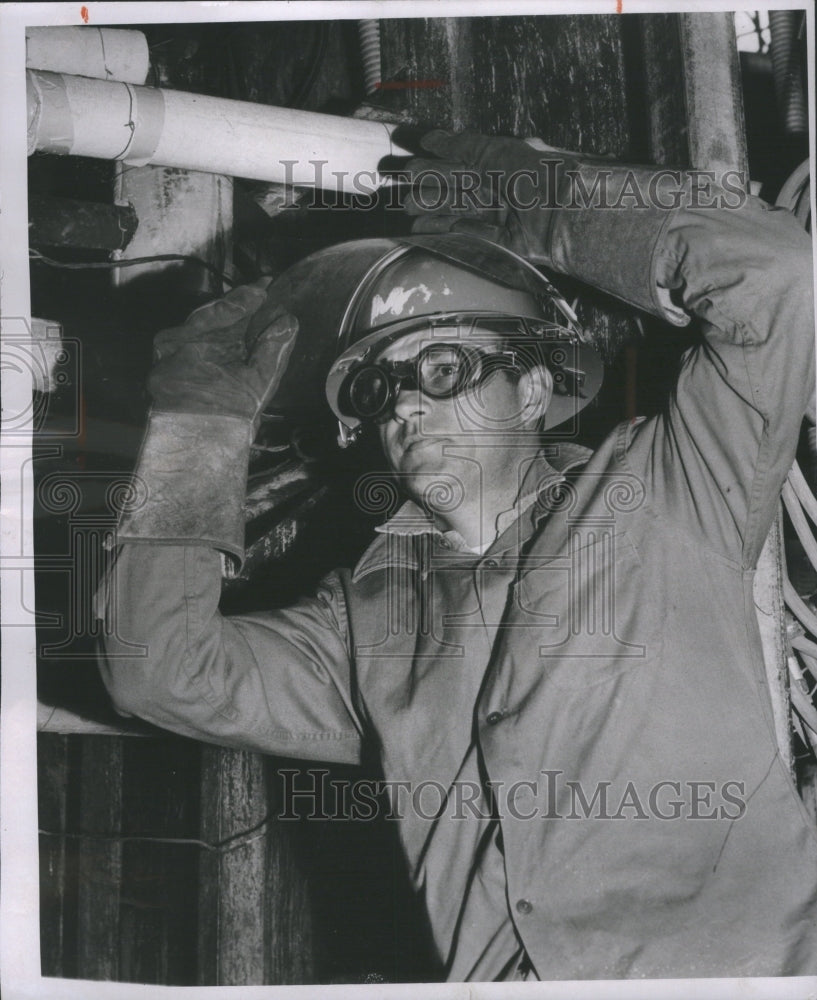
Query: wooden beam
100	858
52	794
232	932
67	222
714	99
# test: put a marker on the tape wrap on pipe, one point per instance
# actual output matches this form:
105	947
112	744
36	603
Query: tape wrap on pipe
147	123
50	125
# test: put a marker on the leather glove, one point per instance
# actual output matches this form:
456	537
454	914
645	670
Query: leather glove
481	185
542	203
209	386
206	365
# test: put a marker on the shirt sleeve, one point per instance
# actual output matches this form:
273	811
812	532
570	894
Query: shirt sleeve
277	682
715	460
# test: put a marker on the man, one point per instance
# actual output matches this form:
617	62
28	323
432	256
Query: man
569	659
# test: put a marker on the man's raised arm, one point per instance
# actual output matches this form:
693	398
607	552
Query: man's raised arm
276	682
672	243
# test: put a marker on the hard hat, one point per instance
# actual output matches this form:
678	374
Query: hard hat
354	299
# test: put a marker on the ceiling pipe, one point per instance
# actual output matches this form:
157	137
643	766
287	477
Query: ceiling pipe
104	53
78	116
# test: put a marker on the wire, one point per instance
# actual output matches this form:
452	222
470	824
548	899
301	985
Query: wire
131	262
798	483
240	839
800	524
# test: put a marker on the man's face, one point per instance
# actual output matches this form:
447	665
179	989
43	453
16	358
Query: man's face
473	436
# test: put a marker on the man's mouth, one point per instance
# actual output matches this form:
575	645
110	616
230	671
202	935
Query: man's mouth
417	443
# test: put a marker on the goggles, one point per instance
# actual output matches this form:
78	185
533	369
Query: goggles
479	346
440	371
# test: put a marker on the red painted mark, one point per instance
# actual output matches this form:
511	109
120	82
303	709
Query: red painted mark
619	5
409	84
83	13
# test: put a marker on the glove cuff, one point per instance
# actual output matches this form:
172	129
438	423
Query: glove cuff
609	227
190	483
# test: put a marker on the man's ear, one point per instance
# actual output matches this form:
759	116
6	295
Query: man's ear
535	391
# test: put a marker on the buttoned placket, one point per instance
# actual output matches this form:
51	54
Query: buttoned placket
506	551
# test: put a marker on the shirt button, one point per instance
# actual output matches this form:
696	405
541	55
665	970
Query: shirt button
524	907
493	717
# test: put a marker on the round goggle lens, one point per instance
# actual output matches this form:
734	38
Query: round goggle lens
442	370
369	392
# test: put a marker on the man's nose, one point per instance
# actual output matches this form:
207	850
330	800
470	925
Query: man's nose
410	402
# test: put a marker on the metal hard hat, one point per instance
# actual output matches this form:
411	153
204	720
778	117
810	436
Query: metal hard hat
354	298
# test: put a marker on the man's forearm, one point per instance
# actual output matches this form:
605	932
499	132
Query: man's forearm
190	482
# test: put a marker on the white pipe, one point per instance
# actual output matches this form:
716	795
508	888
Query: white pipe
105	53
143	125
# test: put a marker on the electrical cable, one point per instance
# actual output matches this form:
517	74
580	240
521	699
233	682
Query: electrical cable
38	257
804	645
799	522
799	608
802	648
798	483
231	843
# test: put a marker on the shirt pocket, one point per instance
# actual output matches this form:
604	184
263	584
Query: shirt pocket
591	613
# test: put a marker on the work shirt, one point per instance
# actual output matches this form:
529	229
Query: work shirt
577	718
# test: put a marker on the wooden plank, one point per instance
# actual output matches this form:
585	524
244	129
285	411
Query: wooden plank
52	796
662	65
100	858
714	99
160	811
291	950
232	933
559	78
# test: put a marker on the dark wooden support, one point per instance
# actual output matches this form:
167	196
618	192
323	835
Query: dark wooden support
291	944
714	101
232	938
559	78
160	861
55	916
100	857
65	222
662	65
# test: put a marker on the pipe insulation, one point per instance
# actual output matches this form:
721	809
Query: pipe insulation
105	53
79	116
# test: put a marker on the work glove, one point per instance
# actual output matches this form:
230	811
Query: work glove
544	204
206	365
208	387
481	185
